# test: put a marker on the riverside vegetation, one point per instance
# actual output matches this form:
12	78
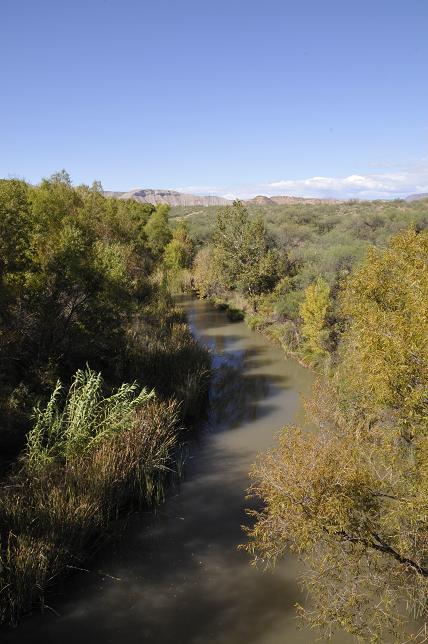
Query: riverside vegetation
282	266
85	309
98	374
345	289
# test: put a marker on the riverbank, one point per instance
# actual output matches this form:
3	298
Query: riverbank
282	333
176	575
95	455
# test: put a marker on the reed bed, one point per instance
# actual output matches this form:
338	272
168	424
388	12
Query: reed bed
88	458
170	359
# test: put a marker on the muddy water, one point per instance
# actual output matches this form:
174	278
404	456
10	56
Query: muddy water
178	578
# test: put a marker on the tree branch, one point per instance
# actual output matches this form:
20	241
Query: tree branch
381	546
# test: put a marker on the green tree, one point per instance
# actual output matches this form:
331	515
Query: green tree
158	231
15	226
243	255
351	498
69	271
52	201
179	251
202	272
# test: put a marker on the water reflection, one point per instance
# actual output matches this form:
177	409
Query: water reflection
236	392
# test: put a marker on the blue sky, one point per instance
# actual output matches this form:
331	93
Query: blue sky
236	97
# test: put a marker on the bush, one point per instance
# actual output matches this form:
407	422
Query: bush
288	306
235	315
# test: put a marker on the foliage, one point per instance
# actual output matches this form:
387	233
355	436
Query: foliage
243	257
319	240
178	258
235	315
14	227
158	231
75	270
350	498
315	312
386	350
81	284
72	483
179	251
86	418
202	271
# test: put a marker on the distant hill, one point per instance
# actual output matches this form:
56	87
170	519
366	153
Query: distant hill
260	200
283	200
171	197
416	197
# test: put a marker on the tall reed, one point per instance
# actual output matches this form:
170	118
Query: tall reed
88	457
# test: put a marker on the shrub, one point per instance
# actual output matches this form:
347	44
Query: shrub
235	315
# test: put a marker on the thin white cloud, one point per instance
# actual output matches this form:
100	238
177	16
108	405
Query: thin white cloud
363	186
394	183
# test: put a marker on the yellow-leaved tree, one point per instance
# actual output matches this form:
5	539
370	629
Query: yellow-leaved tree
352	498
315	311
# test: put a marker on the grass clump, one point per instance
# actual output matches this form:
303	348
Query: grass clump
86	460
86	419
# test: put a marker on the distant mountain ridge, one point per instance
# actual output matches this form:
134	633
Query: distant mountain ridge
171	197
417	196
262	200
176	198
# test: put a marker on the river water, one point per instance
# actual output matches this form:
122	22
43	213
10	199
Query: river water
177	577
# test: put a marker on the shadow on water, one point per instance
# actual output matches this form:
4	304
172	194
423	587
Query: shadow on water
179	575
236	392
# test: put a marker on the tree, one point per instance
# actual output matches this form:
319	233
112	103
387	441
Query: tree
385	356
158	231
54	200
202	272
15	226
351	498
315	310
179	251
243	255
71	267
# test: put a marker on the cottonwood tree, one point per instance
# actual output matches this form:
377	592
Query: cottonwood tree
351	498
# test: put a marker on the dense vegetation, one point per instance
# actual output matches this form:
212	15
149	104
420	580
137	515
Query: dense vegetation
99	372
84	310
300	254
350	497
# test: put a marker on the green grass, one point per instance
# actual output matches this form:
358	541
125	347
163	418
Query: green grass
86	462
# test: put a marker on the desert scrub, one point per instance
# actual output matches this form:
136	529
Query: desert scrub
87	460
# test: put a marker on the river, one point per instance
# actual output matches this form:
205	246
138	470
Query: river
177	577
